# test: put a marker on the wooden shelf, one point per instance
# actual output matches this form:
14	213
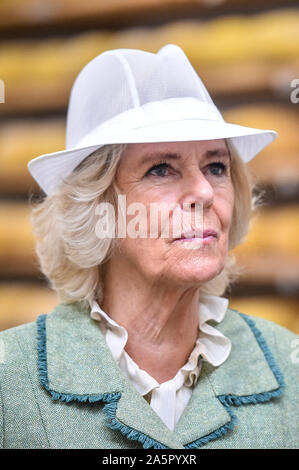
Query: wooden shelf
251	81
23	302
258	54
60	14
283	311
20	141
270	253
17	254
277	166
257	60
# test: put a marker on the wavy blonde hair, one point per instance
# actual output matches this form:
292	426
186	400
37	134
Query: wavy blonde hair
71	255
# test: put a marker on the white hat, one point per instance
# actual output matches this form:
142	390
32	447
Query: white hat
134	96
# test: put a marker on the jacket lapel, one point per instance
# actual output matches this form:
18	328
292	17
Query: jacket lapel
209	413
73	357
75	364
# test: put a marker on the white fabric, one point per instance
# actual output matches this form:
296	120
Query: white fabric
170	398
134	96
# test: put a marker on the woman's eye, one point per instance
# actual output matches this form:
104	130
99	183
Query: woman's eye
218	168
159	170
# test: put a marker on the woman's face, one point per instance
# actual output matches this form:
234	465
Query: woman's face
196	174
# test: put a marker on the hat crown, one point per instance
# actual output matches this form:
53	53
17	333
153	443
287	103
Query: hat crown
133	96
118	80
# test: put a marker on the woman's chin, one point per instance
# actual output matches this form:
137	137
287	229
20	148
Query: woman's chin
193	275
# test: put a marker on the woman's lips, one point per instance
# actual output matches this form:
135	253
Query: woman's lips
204	241
206	237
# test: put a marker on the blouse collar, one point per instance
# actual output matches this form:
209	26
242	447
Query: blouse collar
211	345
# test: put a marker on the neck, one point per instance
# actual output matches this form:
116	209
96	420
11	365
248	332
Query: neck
161	320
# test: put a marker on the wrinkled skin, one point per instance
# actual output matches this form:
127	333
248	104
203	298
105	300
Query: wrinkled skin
151	284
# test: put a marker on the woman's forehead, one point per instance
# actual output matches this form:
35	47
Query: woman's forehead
144	151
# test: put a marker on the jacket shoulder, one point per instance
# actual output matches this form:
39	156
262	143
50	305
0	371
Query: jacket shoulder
11	339
20	341
267	327
20	383
274	340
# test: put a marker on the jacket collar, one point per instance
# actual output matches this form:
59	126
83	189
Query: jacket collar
75	364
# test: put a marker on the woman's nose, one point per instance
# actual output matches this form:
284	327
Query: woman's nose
197	189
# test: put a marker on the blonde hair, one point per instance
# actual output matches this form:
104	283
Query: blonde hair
70	253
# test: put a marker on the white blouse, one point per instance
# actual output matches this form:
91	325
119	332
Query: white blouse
170	398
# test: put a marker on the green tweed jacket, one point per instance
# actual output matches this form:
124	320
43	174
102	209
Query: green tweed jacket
61	388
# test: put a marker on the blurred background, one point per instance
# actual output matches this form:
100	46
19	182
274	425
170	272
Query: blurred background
246	53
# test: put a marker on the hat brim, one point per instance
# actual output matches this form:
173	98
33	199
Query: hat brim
49	170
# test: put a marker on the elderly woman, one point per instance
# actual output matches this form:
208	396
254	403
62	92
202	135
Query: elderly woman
143	350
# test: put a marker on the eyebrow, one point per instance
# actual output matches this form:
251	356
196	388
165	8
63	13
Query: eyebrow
148	157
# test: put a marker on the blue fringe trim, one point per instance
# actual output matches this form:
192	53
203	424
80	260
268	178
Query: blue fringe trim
267	353
111	398
236	400
111	421
43	372
217	433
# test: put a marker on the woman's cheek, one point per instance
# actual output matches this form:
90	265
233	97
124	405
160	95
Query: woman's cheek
224	207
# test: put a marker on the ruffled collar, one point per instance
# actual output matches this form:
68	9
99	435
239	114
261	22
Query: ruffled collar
211	345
